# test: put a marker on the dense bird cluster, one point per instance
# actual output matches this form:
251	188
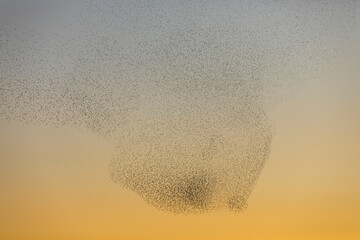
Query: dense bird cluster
180	88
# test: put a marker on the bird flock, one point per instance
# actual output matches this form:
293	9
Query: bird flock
182	89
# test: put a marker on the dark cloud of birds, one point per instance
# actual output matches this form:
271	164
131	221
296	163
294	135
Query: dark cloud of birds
180	88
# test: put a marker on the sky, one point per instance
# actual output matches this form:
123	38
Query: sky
186	120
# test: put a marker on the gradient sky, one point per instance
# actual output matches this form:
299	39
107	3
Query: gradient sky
54	181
